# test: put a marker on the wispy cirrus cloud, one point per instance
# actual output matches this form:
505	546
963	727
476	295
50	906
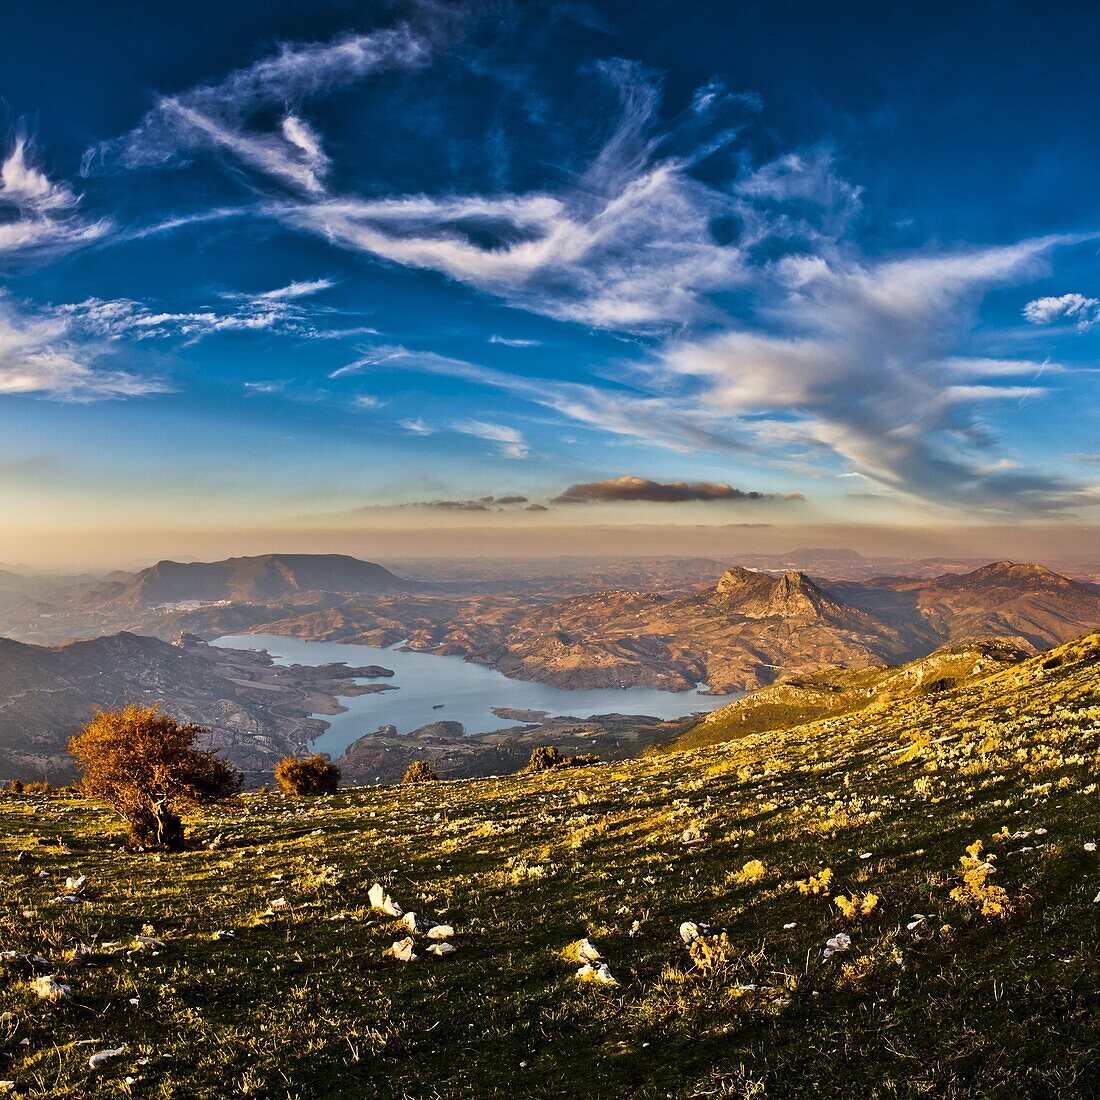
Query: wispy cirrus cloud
302	288
628	244
221	116
675	424
513	342
39	355
37	215
278	310
511	443
862	366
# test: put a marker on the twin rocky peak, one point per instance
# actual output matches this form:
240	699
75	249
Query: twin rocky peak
761	596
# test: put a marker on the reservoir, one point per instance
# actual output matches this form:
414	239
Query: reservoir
467	692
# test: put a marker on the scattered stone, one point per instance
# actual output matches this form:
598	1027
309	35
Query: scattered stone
25	956
588	951
690	931
414	922
837	945
403	951
598	973
440	932
145	943
382	901
97	1060
442	949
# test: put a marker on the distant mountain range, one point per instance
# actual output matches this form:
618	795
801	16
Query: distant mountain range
252	580
750	629
157	600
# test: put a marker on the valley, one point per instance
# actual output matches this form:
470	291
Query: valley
612	649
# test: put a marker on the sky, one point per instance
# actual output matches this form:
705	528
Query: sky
434	277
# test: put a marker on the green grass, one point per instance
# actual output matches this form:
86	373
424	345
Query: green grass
301	1003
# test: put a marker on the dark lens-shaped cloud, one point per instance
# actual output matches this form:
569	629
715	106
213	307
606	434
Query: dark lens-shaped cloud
619	489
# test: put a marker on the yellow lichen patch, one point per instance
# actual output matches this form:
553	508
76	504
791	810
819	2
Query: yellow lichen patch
753	871
816	884
976	890
855	906
712	954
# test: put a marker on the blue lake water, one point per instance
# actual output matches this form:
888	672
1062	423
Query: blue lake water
467	691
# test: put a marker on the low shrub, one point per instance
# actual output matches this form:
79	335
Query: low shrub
546	758
307	775
420	771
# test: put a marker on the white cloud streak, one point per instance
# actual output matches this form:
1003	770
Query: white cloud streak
863	368
276	310
220	117
511	443
661	421
38	216
39	356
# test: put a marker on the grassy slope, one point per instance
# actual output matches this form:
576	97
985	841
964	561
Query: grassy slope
833	692
301	1003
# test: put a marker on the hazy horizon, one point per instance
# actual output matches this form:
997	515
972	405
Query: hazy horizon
83	552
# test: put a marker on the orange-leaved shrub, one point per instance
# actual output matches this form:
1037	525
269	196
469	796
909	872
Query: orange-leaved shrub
144	765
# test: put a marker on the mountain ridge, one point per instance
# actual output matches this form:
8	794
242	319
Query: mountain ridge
256	578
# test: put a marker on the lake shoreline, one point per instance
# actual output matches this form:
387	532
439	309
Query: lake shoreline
452	689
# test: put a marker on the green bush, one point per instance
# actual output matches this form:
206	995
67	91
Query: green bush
307	775
546	758
419	771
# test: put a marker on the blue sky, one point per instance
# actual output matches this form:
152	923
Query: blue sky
353	266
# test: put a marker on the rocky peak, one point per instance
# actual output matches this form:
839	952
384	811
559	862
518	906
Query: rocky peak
762	596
